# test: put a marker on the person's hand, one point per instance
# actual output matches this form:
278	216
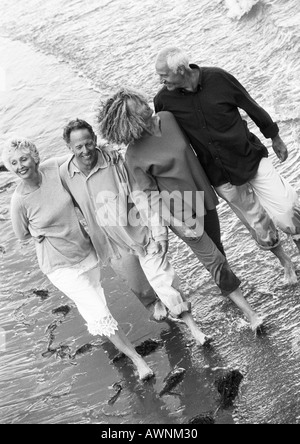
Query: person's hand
280	148
115	156
40	239
158	247
113	152
164	246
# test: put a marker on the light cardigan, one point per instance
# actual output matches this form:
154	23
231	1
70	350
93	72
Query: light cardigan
49	212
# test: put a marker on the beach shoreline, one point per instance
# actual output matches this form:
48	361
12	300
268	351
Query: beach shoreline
52	78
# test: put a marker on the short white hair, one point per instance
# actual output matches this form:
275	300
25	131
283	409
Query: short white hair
19	144
174	57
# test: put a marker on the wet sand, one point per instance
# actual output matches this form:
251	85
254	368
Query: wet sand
43	94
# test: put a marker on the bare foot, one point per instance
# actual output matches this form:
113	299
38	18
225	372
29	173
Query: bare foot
256	322
160	311
147	377
290	277
144	372
201	338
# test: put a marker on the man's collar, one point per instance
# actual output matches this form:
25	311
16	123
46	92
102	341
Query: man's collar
102	163
193	66
184	91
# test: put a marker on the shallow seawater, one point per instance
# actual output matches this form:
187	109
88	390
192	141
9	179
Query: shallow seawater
59	58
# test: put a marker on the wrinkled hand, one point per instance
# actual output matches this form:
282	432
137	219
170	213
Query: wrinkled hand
113	152
115	156
280	148
158	247
40	239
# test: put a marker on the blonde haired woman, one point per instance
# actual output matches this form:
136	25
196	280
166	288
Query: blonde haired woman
43	210
161	159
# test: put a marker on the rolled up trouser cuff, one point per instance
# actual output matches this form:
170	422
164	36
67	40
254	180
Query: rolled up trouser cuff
228	281
178	310
270	247
249	205
81	283
213	260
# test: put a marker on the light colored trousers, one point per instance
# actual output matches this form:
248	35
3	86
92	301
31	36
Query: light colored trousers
163	279
81	283
264	203
129	269
153	275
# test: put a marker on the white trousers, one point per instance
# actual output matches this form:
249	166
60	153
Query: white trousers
265	202
163	279
81	283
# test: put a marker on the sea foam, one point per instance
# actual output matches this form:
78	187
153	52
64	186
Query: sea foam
237	8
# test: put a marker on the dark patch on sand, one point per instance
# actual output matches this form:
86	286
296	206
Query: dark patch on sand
118	387
43	294
50	329
174	378
64	310
84	349
228	387
203	418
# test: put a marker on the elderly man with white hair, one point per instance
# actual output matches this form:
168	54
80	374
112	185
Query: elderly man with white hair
205	102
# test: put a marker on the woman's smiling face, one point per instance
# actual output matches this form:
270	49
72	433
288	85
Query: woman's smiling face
23	165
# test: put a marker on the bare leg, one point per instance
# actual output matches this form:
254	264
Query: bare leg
254	319
120	340
200	337
290	276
